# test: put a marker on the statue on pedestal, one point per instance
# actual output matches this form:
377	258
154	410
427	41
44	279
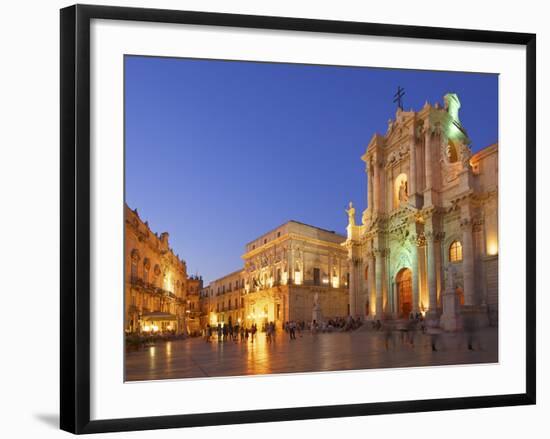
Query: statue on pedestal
316	314
403	192
351	214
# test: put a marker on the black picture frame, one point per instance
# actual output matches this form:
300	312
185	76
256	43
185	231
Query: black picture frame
75	217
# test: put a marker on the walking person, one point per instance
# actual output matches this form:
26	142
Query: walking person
253	332
469	332
225	332
268	333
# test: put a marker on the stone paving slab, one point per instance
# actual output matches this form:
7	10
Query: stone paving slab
362	349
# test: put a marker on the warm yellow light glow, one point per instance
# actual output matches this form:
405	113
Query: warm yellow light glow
155	328
335	282
325	280
297	277
284	278
168	282
492	247
146	328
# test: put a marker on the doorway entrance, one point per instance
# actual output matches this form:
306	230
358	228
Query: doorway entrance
403	281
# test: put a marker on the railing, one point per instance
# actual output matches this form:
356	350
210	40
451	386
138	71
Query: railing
151	288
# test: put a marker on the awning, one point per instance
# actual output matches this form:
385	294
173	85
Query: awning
159	316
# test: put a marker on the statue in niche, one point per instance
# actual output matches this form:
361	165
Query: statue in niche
403	192
351	214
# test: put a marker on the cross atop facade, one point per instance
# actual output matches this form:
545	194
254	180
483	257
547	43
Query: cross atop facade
397	97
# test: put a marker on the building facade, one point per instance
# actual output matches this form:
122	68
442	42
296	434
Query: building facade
192	303
156	281
428	239
295	272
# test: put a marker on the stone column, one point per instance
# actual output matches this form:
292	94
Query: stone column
379	262
468	262
354	284
415	276
370	200
329	271
432	275
412	165
371	282
376	188
428	158
290	265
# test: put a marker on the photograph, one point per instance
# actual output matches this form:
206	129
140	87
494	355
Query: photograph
288	218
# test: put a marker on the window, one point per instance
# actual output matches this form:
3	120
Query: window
455	251
316	276
146	266
133	274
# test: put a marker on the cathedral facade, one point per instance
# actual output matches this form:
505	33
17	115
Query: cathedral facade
428	240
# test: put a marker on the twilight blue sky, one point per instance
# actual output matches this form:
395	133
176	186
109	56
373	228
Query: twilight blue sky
218	152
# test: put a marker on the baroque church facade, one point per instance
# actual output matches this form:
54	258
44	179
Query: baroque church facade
428	240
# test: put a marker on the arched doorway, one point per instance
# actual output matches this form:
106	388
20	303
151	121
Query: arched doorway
403	281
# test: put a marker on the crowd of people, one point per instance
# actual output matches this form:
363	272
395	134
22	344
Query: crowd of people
237	332
230	332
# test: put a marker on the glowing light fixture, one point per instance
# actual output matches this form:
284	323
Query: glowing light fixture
492	247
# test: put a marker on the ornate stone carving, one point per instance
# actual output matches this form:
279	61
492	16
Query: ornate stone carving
465	223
